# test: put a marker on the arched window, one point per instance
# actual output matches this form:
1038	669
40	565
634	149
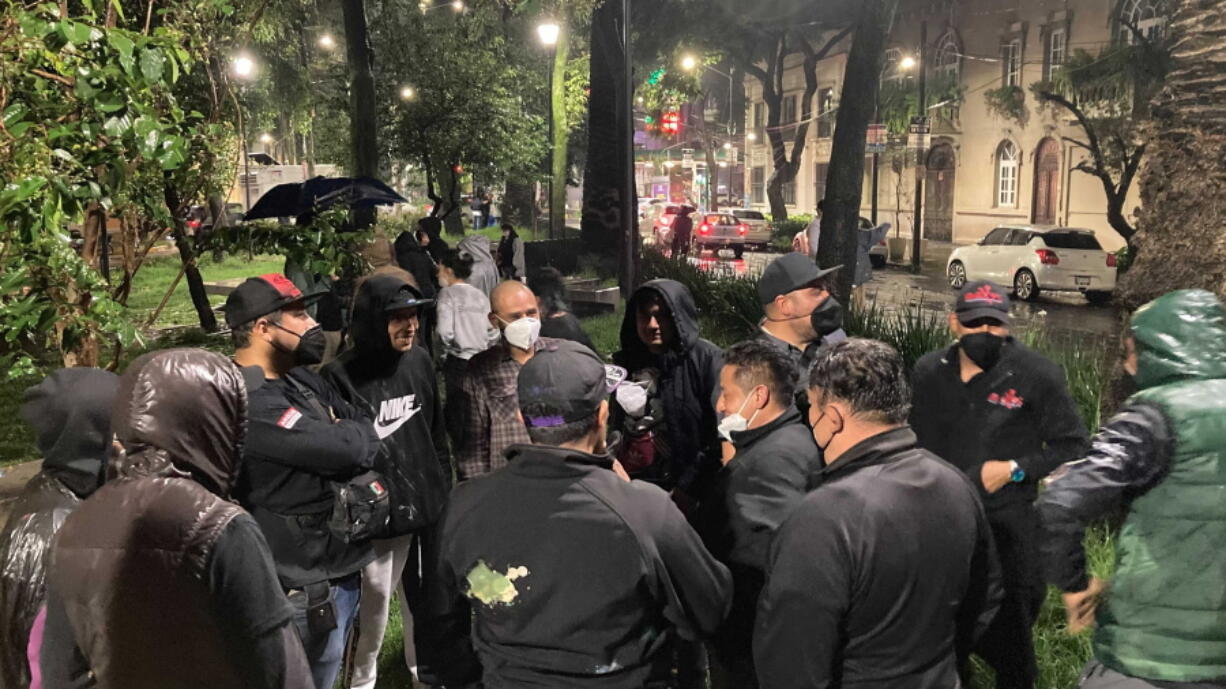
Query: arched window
1148	16
1007	161
948	55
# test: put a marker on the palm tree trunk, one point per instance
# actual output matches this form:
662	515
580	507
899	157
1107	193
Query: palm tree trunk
1178	241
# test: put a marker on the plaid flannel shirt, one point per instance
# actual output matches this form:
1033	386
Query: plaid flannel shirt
491	405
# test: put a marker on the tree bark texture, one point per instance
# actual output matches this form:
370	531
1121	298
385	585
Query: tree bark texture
602	180
840	221
561	134
1179	242
187	254
362	116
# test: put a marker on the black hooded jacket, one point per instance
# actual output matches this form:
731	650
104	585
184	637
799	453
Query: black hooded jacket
70	412
413	257
400	391
688	385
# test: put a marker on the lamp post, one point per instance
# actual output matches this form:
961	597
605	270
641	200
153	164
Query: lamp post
244	69
904	65
921	165
548	31
689	62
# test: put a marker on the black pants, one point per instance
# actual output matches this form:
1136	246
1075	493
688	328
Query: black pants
453	400
1008	644
681	244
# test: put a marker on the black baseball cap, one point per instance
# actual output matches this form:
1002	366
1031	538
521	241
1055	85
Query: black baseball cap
260	296
564	382
789	273
407	297
982	299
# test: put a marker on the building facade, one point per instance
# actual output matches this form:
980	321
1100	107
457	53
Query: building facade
984	168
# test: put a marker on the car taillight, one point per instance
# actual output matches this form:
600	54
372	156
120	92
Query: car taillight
1048	257
1110	260
742	229
704	228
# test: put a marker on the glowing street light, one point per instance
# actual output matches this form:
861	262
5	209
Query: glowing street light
548	33
244	67
907	63
458	5
751	136
327	42
727	145
265	138
688	62
407	93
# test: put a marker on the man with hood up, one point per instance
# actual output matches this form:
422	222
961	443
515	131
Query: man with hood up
394	381
662	351
1162	458
70	411
485	269
159	580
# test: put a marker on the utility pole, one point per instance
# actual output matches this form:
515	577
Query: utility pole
629	217
921	168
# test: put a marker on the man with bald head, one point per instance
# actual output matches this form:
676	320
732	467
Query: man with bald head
490	421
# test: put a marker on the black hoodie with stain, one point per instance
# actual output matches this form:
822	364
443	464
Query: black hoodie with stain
688	387
70	413
400	391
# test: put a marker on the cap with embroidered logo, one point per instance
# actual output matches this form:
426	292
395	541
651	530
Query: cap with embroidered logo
260	296
982	300
564	382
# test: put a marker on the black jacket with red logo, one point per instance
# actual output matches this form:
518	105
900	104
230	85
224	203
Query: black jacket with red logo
1019	410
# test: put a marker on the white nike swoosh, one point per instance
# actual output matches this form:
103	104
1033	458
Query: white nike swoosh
385	429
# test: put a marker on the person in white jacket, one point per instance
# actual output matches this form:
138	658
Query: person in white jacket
463	328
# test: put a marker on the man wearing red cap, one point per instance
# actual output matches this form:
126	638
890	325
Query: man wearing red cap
302	439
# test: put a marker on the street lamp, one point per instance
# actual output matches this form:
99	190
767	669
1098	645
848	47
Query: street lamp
407	93
751	136
244	67
688	63
327	42
906	64
548	32
727	145
458	6
265	138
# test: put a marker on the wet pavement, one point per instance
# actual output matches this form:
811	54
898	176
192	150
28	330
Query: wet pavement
895	287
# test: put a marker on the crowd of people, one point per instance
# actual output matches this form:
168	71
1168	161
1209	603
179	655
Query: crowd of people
798	510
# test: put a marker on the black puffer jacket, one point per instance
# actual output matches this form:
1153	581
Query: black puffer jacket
414	258
71	413
132	570
688	384
400	391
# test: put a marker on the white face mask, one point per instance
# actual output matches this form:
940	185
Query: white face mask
632	398
735	423
522	333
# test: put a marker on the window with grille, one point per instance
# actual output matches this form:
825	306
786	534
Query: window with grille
825	111
1148	16
1011	62
758	185
1057	52
789	192
1006	175
789	110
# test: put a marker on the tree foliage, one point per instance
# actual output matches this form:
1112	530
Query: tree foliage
89	115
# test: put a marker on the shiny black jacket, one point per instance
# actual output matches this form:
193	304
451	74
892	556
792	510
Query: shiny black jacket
1130	455
880	577
70	413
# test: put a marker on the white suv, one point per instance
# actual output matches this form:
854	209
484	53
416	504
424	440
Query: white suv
1032	258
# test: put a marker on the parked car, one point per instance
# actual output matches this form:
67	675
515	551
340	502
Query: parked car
720	230
760	229
1034	260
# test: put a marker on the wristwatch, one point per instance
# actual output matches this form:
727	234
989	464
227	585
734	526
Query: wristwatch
1016	473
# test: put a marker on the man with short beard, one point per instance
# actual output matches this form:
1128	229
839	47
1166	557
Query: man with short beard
1003	414
394	382
303	439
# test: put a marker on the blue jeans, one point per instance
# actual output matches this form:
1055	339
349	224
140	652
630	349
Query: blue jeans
325	652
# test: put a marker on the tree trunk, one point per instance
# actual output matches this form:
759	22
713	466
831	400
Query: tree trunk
455	219
517	203
187	255
362	116
602	178
840	221
1178	243
561	134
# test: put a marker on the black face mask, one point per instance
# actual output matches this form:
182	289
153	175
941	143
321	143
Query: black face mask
983	349
311	346
827	318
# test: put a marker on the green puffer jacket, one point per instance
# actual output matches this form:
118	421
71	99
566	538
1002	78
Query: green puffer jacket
1165	618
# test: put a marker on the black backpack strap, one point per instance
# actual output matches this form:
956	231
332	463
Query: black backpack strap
312	398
